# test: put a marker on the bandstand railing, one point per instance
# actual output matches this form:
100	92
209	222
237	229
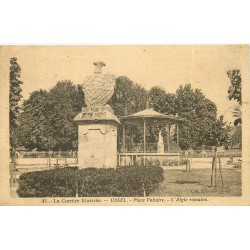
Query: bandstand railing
139	148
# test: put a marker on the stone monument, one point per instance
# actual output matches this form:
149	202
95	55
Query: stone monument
97	124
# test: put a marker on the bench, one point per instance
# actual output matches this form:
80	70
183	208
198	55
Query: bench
231	161
236	164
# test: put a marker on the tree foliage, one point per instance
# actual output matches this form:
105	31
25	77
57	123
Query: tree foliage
128	97
161	101
14	99
219	134
200	118
236	131
236	137
237	115
234	91
164	103
47	118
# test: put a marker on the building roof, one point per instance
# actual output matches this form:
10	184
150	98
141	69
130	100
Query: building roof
151	117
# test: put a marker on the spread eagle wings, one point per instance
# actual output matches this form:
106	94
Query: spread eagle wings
98	89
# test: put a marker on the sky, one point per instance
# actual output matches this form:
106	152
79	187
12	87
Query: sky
166	66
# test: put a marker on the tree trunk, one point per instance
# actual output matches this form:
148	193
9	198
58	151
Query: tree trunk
212	175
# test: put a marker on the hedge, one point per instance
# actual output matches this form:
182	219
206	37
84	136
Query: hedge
165	162
126	181
174	162
48	183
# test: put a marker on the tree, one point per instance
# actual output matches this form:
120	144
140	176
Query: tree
14	100
128	97
47	118
237	115
200	117
33	120
235	137
66	101
234	91
164	103
161	101
236	131
219	133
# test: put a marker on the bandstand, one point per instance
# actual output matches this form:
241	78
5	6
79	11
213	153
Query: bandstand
146	119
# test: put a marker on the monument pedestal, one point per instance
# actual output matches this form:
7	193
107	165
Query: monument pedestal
97	137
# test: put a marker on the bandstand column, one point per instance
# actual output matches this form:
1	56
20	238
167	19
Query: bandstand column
123	138
177	135
168	141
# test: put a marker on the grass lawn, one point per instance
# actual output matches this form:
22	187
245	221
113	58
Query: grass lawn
180	183
197	183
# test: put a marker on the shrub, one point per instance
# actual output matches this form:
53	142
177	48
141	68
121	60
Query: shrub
137	180
121	182
48	183
96	182
172	162
91	182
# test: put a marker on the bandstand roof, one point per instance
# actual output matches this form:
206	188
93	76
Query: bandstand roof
151	117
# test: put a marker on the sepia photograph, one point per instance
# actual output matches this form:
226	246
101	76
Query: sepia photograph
126	125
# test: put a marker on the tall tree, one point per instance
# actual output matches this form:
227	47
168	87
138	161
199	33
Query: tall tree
14	100
219	134
66	101
128	97
237	115
199	114
234	91
236	131
236	137
164	103
161	101
47	118
33	120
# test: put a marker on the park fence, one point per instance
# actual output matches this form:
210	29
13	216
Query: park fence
134	148
47	154
210	153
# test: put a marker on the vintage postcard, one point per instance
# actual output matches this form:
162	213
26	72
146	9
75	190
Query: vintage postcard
124	125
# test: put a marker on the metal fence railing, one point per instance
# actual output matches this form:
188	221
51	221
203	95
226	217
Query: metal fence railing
134	148
210	153
47	154
153	148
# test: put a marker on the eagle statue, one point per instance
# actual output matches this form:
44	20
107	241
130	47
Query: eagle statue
98	88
